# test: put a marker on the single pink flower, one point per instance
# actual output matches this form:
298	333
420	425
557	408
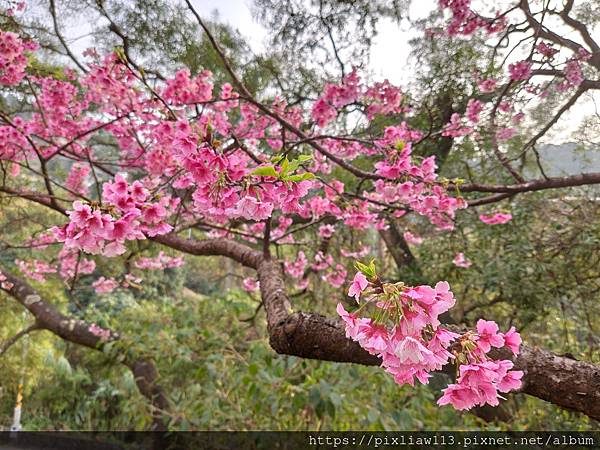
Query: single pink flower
460	397
460	260
488	335
512	339
511	381
359	284
411	350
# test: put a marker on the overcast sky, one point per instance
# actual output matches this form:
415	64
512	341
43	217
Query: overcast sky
388	55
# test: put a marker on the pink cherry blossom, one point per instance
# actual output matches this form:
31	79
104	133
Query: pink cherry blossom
326	231
411	350
512	339
250	284
296	268
474	107
487	85
495	219
573	73
460	260
488	335
359	284
104	285
520	70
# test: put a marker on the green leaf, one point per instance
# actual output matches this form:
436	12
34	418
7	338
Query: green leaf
265	171
275	159
285	167
304	158
369	270
301	177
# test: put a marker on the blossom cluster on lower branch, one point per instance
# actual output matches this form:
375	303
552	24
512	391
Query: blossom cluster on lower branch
400	324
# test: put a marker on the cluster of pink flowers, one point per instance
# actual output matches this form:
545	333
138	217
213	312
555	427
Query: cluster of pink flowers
4	283
35	269
127	213
336	96
12	141
495	219
474	108
573	72
404	330
100	332
344	94
105	285
520	70
487	85
546	49
13	59
249	207
72	263
296	268
161	261
183	90
481	378
455	128
465	21
382	98
460	260
336	277
78	178
326	231
323	113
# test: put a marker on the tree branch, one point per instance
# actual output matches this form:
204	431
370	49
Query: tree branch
13	340
565	382
535	185
77	331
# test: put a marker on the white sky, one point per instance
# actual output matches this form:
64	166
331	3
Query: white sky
388	55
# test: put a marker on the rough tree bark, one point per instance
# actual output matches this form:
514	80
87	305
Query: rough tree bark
396	245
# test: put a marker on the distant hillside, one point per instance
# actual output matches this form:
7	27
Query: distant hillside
568	159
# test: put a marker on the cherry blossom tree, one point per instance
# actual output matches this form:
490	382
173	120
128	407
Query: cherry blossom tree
208	170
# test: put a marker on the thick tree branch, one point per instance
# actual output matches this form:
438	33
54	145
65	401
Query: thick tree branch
571	384
42	199
241	253
77	331
535	185
396	245
13	340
